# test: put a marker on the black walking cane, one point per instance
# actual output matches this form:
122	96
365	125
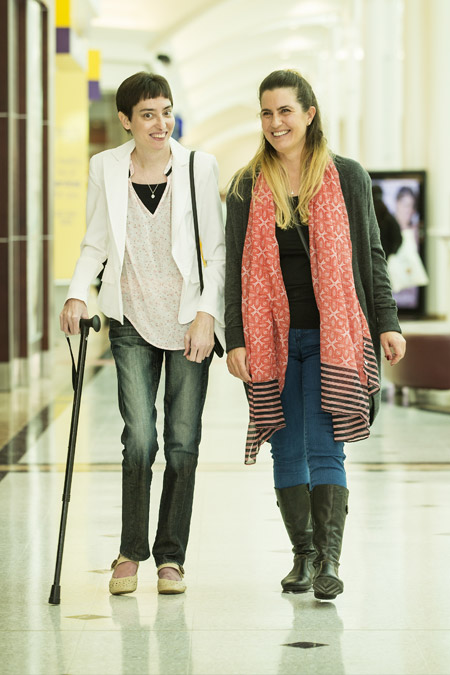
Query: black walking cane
77	383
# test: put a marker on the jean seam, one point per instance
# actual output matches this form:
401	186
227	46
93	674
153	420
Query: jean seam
147	359
171	508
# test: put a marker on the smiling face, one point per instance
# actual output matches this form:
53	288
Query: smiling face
152	123
284	122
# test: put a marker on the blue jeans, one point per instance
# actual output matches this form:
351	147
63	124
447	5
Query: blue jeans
305	450
139	365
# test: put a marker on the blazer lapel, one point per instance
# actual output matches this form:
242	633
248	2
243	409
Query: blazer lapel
180	187
116	167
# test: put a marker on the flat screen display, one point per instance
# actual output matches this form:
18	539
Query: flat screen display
403	193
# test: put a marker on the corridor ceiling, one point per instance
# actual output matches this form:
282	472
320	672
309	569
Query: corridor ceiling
220	50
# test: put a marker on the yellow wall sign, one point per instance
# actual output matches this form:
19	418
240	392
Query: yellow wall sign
70	166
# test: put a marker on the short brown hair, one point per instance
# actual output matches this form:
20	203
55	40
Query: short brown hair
139	87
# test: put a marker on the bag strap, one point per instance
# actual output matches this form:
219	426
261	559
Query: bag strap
301	234
195	216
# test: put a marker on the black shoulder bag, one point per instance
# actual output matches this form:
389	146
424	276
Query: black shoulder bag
218	349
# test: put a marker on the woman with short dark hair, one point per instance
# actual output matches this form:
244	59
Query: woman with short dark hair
140	224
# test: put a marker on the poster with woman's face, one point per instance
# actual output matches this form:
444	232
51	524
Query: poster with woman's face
403	198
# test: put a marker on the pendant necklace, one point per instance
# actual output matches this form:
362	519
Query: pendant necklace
152	191
158	184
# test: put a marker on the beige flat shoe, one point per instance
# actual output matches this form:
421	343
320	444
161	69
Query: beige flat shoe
121	585
170	586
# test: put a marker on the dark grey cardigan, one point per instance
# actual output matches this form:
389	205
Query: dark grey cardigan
369	263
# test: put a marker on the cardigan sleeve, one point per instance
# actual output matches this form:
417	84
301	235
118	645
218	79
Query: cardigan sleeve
385	305
369	262
235	230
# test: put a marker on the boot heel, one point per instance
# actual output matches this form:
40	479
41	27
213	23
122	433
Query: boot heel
329	510
328	589
300	578
327	584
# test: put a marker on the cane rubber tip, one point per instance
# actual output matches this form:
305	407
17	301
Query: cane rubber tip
55	595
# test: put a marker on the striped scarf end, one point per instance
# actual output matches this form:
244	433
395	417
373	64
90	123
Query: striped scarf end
350	421
256	436
348	429
351	428
269	420
251	459
345	437
341	405
266	411
251	451
371	367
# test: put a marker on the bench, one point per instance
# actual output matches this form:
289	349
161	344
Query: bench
426	364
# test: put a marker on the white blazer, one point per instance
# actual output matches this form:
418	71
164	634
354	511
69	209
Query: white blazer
106	213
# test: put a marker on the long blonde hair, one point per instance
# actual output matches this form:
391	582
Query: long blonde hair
315	154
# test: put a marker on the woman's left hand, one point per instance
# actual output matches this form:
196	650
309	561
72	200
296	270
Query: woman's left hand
394	346
199	340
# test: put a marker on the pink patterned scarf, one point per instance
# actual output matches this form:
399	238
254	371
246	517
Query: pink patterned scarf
349	372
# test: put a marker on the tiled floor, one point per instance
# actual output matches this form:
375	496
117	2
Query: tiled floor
393	619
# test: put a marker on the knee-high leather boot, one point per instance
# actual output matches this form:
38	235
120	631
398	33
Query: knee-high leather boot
329	510
295	508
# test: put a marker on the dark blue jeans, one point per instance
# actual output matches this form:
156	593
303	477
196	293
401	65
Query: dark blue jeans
139	366
305	450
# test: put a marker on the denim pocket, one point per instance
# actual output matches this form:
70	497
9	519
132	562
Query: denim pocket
119	330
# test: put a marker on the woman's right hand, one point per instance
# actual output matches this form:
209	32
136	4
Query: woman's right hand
237	363
72	312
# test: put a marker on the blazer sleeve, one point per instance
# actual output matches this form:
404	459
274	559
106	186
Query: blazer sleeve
212	237
94	247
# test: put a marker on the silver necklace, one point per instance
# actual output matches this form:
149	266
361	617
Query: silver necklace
158	184
153	191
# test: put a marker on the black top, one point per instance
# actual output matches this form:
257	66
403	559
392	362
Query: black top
145	194
151	195
296	271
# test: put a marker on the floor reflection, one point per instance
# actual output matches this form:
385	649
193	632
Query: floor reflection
312	620
152	646
125	614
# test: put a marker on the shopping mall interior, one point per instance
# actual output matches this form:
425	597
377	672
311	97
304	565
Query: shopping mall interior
380	71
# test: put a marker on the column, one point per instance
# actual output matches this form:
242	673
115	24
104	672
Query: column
435	102
25	228
5	268
382	94
415	84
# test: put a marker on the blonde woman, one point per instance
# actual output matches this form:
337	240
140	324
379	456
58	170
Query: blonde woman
307	304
